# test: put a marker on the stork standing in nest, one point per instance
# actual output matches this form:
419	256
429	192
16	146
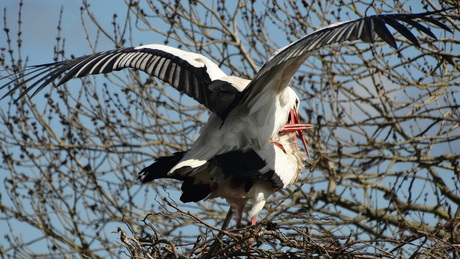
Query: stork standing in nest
248	148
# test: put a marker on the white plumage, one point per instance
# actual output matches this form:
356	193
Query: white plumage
248	149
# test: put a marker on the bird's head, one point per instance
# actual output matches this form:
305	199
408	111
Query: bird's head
293	119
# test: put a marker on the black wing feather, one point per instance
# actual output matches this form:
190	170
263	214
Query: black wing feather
401	29
172	69
365	29
381	29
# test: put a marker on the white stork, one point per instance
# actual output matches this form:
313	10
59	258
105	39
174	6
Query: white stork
247	150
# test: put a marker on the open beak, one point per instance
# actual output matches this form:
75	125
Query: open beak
294	125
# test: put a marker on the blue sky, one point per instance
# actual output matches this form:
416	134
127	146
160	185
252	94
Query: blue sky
40	19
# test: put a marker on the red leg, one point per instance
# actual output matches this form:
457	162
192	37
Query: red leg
239	214
254	220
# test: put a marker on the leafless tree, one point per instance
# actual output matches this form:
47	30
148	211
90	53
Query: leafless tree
383	179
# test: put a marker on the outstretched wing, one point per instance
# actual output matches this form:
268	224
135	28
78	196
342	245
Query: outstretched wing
190	73
281	67
202	80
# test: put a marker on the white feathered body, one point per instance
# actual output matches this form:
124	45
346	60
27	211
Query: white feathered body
244	127
284	158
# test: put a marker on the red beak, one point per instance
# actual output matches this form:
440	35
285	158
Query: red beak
294	125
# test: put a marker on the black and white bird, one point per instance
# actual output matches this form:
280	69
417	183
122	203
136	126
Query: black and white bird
248	148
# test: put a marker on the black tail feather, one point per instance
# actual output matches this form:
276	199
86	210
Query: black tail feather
244	165
160	168
191	191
